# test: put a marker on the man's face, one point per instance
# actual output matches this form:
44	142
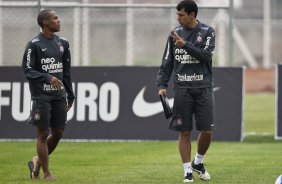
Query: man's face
53	22
183	18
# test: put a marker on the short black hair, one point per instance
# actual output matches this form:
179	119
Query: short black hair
43	15
189	6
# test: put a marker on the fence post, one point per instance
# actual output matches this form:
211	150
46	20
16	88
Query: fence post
85	35
1	36
266	34
129	35
76	36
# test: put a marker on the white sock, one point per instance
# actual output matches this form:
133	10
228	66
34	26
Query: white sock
187	168
199	159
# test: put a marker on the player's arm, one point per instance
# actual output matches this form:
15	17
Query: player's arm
28	65
167	65
67	76
202	54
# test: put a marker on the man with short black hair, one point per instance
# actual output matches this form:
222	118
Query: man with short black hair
188	57
46	65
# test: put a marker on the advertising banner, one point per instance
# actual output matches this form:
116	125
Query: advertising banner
118	103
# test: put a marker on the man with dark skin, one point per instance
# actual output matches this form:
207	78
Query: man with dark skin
46	66
188	57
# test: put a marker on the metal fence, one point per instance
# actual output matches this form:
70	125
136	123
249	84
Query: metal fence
107	34
134	32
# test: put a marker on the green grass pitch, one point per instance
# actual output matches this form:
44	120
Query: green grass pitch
257	160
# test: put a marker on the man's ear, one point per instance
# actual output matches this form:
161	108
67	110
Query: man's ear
45	21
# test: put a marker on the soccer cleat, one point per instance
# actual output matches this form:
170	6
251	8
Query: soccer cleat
188	178
200	169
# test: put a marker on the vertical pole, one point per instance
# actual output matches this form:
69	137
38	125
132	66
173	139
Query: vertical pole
221	38
172	16
85	35
38	10
230	40
129	35
38	5
266	34
76	36
1	37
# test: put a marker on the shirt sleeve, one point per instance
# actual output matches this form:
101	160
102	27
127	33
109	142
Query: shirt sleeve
29	65
67	74
167	65
203	54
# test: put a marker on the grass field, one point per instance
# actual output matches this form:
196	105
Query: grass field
260	113
257	160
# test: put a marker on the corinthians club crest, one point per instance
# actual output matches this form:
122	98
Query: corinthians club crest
199	38
61	48
176	122
36	115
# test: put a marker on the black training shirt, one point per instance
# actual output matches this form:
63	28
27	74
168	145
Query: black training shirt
191	65
44	58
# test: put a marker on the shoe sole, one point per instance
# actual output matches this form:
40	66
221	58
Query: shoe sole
30	165
199	174
188	181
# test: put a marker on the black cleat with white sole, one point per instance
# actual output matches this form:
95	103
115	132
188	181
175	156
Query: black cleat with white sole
202	172
188	178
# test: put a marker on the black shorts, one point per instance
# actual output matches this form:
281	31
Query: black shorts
193	104
47	113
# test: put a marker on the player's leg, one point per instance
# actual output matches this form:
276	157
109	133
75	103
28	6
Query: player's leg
54	138
184	146
204	115
40	116
58	122
42	151
46	143
204	140
182	122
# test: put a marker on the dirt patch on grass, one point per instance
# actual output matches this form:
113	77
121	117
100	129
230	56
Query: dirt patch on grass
259	80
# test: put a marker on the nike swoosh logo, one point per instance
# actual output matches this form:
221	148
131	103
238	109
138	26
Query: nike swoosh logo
216	89
143	109
44	49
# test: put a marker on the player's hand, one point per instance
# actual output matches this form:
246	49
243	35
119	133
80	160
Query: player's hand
178	41
70	102
162	92
56	83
